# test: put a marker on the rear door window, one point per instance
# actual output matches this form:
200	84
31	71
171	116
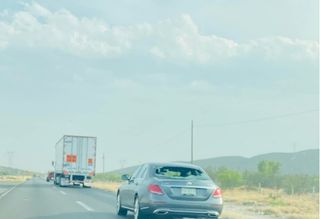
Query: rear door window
143	172
136	172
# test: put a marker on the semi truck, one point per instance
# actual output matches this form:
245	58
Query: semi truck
75	160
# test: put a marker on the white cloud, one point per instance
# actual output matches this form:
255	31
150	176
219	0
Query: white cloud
180	39
38	27
37	10
278	47
174	40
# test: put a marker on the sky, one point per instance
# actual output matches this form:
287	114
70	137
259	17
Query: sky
135	74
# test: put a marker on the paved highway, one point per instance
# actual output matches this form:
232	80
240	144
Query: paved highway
37	199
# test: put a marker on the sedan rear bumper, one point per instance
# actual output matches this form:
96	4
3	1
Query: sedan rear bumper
186	212
163	205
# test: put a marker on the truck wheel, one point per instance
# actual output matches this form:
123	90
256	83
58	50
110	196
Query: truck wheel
56	181
59	181
61	184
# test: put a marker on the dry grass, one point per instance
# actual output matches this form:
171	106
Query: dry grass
233	215
108	186
253	202
14	179
274	202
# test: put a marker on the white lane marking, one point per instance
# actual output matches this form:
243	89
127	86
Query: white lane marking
63	193
84	206
6	193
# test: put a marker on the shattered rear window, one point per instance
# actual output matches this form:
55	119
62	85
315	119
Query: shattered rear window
173	172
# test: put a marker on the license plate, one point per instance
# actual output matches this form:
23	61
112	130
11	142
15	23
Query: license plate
188	191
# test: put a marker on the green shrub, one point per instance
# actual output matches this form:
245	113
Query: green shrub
227	178
111	177
266	176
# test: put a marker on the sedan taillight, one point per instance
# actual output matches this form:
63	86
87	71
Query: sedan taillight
155	189
217	193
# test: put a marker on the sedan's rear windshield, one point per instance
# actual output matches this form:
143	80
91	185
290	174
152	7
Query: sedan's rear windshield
173	172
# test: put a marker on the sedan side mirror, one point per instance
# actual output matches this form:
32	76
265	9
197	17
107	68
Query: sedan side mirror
125	177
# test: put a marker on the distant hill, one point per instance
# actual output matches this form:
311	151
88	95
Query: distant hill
126	170
302	162
13	171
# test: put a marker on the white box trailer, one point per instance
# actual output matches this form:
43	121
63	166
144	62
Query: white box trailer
75	160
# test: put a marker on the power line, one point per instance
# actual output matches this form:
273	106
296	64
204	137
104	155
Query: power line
10	155
183	131
281	116
173	137
103	163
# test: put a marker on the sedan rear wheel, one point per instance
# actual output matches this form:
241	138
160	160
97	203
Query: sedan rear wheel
120	211
136	212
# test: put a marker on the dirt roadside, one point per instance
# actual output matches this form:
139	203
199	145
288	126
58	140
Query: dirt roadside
237	211
231	210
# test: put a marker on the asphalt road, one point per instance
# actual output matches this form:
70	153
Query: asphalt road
37	199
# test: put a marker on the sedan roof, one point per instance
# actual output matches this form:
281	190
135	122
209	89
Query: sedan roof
175	164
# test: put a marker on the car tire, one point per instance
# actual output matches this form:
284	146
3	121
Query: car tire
120	210
137	214
85	186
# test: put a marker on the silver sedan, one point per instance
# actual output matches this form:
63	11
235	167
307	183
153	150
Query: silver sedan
169	190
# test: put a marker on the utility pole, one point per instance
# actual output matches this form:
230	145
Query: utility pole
103	163
123	163
191	141
10	158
